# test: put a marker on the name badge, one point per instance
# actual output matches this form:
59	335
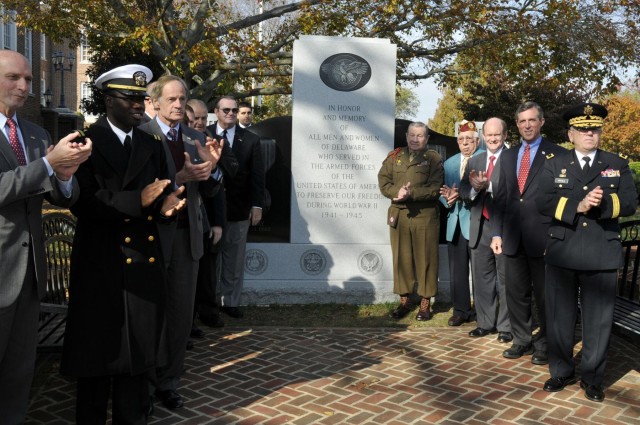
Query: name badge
561	181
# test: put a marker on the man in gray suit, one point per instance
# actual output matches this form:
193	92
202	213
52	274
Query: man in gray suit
476	189
30	170
193	163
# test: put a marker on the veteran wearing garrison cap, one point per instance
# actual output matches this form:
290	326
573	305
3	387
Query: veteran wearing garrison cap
411	178
118	283
458	222
584	191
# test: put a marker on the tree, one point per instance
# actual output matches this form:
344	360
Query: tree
497	96
245	47
407	103
621	131
447	113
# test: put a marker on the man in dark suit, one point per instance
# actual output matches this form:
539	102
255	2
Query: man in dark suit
118	279
149	109
192	162
479	182
245	199
584	191
458	224
30	171
245	115
519	232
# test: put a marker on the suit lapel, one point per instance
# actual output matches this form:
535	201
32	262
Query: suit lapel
154	128
140	153
35	146
7	152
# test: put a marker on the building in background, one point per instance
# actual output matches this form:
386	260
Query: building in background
43	104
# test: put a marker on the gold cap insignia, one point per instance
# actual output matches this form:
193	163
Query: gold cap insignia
588	110
140	79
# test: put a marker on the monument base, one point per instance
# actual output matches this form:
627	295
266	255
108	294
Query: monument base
329	273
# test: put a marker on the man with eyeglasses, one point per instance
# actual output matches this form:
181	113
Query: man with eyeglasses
245	194
458	220
584	192
118	280
520	233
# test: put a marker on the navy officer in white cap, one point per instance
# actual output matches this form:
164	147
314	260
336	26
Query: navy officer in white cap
118	279
584	191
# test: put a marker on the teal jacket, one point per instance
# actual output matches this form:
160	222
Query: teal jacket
459	212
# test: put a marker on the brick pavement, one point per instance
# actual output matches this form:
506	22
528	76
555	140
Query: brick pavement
366	376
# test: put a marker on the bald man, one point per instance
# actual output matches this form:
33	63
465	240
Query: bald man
31	169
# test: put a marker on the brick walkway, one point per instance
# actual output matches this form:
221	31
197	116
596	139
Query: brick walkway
366	376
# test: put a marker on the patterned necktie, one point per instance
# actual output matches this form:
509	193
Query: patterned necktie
127	145
463	165
524	167
485	211
172	135
15	143
586	167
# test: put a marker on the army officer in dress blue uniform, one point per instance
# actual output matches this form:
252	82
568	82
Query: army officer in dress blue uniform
584	191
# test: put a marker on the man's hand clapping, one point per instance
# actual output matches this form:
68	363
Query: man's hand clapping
66	156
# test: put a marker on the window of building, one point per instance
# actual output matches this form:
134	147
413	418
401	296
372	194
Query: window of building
43	88
28	45
10	33
85	91
85	51
43	47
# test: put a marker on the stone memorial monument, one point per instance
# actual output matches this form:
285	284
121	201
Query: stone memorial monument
342	129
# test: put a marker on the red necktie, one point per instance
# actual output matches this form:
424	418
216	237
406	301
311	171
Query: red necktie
15	143
524	168
485	212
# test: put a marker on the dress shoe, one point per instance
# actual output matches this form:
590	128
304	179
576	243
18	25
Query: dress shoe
189	345
170	399
516	351
458	320
196	332
150	407
213	321
424	312
479	332
553	385
540	358
403	308
592	392
505	337
234	312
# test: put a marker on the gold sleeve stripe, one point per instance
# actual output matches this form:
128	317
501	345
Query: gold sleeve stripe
616	205
560	208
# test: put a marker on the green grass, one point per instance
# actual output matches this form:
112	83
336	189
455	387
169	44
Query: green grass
336	315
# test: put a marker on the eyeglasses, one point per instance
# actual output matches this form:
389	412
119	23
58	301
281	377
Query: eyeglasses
130	99
465	139
227	111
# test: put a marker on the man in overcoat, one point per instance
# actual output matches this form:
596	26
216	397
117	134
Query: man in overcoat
118	282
